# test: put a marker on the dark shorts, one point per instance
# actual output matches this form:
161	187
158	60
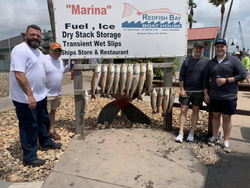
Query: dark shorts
195	98
227	107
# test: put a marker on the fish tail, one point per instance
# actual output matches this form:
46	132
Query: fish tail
130	99
148	93
102	95
92	96
139	97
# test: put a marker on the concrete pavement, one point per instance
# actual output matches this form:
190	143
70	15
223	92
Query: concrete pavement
145	158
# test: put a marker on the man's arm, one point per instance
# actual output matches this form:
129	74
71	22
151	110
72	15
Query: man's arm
24	84
182	91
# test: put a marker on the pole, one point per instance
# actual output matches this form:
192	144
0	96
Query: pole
8	44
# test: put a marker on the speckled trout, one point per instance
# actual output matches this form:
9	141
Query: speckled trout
165	101
159	99
153	98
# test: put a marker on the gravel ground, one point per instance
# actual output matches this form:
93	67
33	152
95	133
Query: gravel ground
12	170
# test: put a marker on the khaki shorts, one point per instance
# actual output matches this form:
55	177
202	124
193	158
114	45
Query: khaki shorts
53	102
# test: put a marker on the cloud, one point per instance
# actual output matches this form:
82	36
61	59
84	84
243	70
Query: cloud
20	14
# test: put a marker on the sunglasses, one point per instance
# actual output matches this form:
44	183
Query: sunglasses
57	50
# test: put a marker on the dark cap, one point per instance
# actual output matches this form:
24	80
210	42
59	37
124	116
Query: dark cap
198	44
221	41
244	53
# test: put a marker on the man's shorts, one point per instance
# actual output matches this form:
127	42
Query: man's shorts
53	102
195	98
227	107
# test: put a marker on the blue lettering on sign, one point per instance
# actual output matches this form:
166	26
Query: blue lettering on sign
132	24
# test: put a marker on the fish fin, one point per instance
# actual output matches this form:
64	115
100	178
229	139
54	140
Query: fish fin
148	93
157	111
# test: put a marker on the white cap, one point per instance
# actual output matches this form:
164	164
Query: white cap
237	53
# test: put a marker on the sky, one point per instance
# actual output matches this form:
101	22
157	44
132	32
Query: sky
17	15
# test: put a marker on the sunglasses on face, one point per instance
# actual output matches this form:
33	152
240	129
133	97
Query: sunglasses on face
57	50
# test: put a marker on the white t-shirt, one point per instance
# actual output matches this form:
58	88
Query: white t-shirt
31	62
54	71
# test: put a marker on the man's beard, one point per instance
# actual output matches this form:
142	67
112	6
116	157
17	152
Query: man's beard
33	43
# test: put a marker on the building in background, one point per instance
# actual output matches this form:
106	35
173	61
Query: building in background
7	45
207	35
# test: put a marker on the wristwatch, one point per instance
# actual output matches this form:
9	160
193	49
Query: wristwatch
227	81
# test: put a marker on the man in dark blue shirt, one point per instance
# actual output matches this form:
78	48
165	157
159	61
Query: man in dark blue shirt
191	89
224	71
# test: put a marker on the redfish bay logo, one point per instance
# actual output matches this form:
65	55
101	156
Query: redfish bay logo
153	18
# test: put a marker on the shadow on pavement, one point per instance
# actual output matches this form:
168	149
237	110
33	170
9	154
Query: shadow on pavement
245	133
232	171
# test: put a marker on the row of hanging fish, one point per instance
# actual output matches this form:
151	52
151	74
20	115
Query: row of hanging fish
162	98
120	78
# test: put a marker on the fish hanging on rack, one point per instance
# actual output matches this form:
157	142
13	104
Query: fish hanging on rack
95	80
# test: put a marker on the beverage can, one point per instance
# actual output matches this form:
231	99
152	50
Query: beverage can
218	84
220	135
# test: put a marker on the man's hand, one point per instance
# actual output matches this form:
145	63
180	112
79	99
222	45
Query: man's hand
220	81
32	102
73	62
207	99
183	93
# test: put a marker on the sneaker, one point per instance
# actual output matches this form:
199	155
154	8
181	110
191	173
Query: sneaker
179	138
212	141
53	146
226	147
55	136
190	137
35	163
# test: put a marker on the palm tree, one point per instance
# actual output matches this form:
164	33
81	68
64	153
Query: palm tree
228	15
52	18
191	5
222	10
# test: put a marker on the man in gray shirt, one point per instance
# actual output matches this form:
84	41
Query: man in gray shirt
191	89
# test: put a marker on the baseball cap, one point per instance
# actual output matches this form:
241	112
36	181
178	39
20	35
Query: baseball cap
237	53
198	44
221	41
55	45
41	48
243	53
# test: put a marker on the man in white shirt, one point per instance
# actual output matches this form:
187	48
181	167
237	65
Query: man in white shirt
54	70
28	93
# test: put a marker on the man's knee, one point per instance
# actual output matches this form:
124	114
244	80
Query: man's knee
184	109
226	117
52	112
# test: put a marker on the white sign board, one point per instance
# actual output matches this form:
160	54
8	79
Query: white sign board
121	28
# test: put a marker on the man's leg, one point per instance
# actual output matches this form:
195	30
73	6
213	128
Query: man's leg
28	130
195	117
44	123
216	123
52	116
248	81
227	126
183	117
